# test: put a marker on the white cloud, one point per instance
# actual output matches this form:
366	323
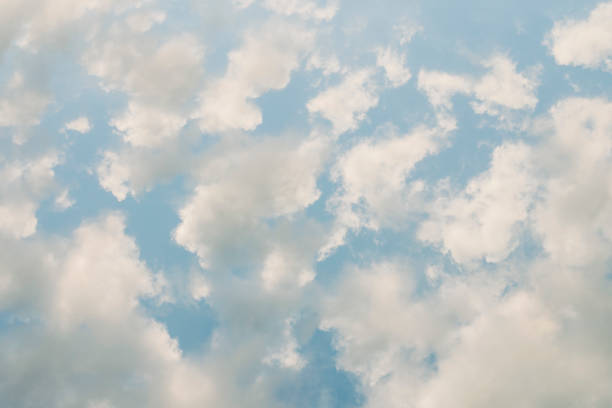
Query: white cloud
50	20
394	65
111	261
575	229
328	64
586	43
346	104
504	87
161	78
484	220
83	336
288	356
406	31
63	201
281	271
440	87
24	183
515	355
22	102
304	8
143	21
265	62
114	175
469	341
374	190
199	287
389	355
499	93
146	125
241	187
80	124
132	170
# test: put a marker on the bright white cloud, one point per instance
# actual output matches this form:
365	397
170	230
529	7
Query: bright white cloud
304	8
497	93
587	42
374	190
80	125
146	125
243	186
63	201
24	183
79	299
143	21
492	292
394	65
484	220
22	103
264	62
346	104
575	230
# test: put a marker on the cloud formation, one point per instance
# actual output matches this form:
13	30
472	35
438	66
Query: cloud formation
252	203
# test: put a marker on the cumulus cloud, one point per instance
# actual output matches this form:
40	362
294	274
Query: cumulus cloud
79	305
494	291
241	187
586	42
161	78
22	103
394	65
346	104
499	92
575	230
373	187
484	220
24	183
308	8
264	62
80	125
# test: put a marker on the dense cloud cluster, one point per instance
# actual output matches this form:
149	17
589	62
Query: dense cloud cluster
291	203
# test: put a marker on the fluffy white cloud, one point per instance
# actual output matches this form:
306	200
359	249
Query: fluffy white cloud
394	65
22	103
50	21
572	218
133	170
310	9
497	93
143	21
243	186
160	72
160	77
516	355
389	355
146	125
304	8
504	87
23	184
346	104
82	336
80	125
63	200
585	42
372	176
264	62
469	340
484	220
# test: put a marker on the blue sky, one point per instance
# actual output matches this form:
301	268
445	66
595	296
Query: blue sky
305	203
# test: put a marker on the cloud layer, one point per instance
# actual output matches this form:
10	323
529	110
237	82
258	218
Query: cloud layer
281	203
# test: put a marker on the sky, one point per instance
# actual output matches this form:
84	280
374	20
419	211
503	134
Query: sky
305	203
